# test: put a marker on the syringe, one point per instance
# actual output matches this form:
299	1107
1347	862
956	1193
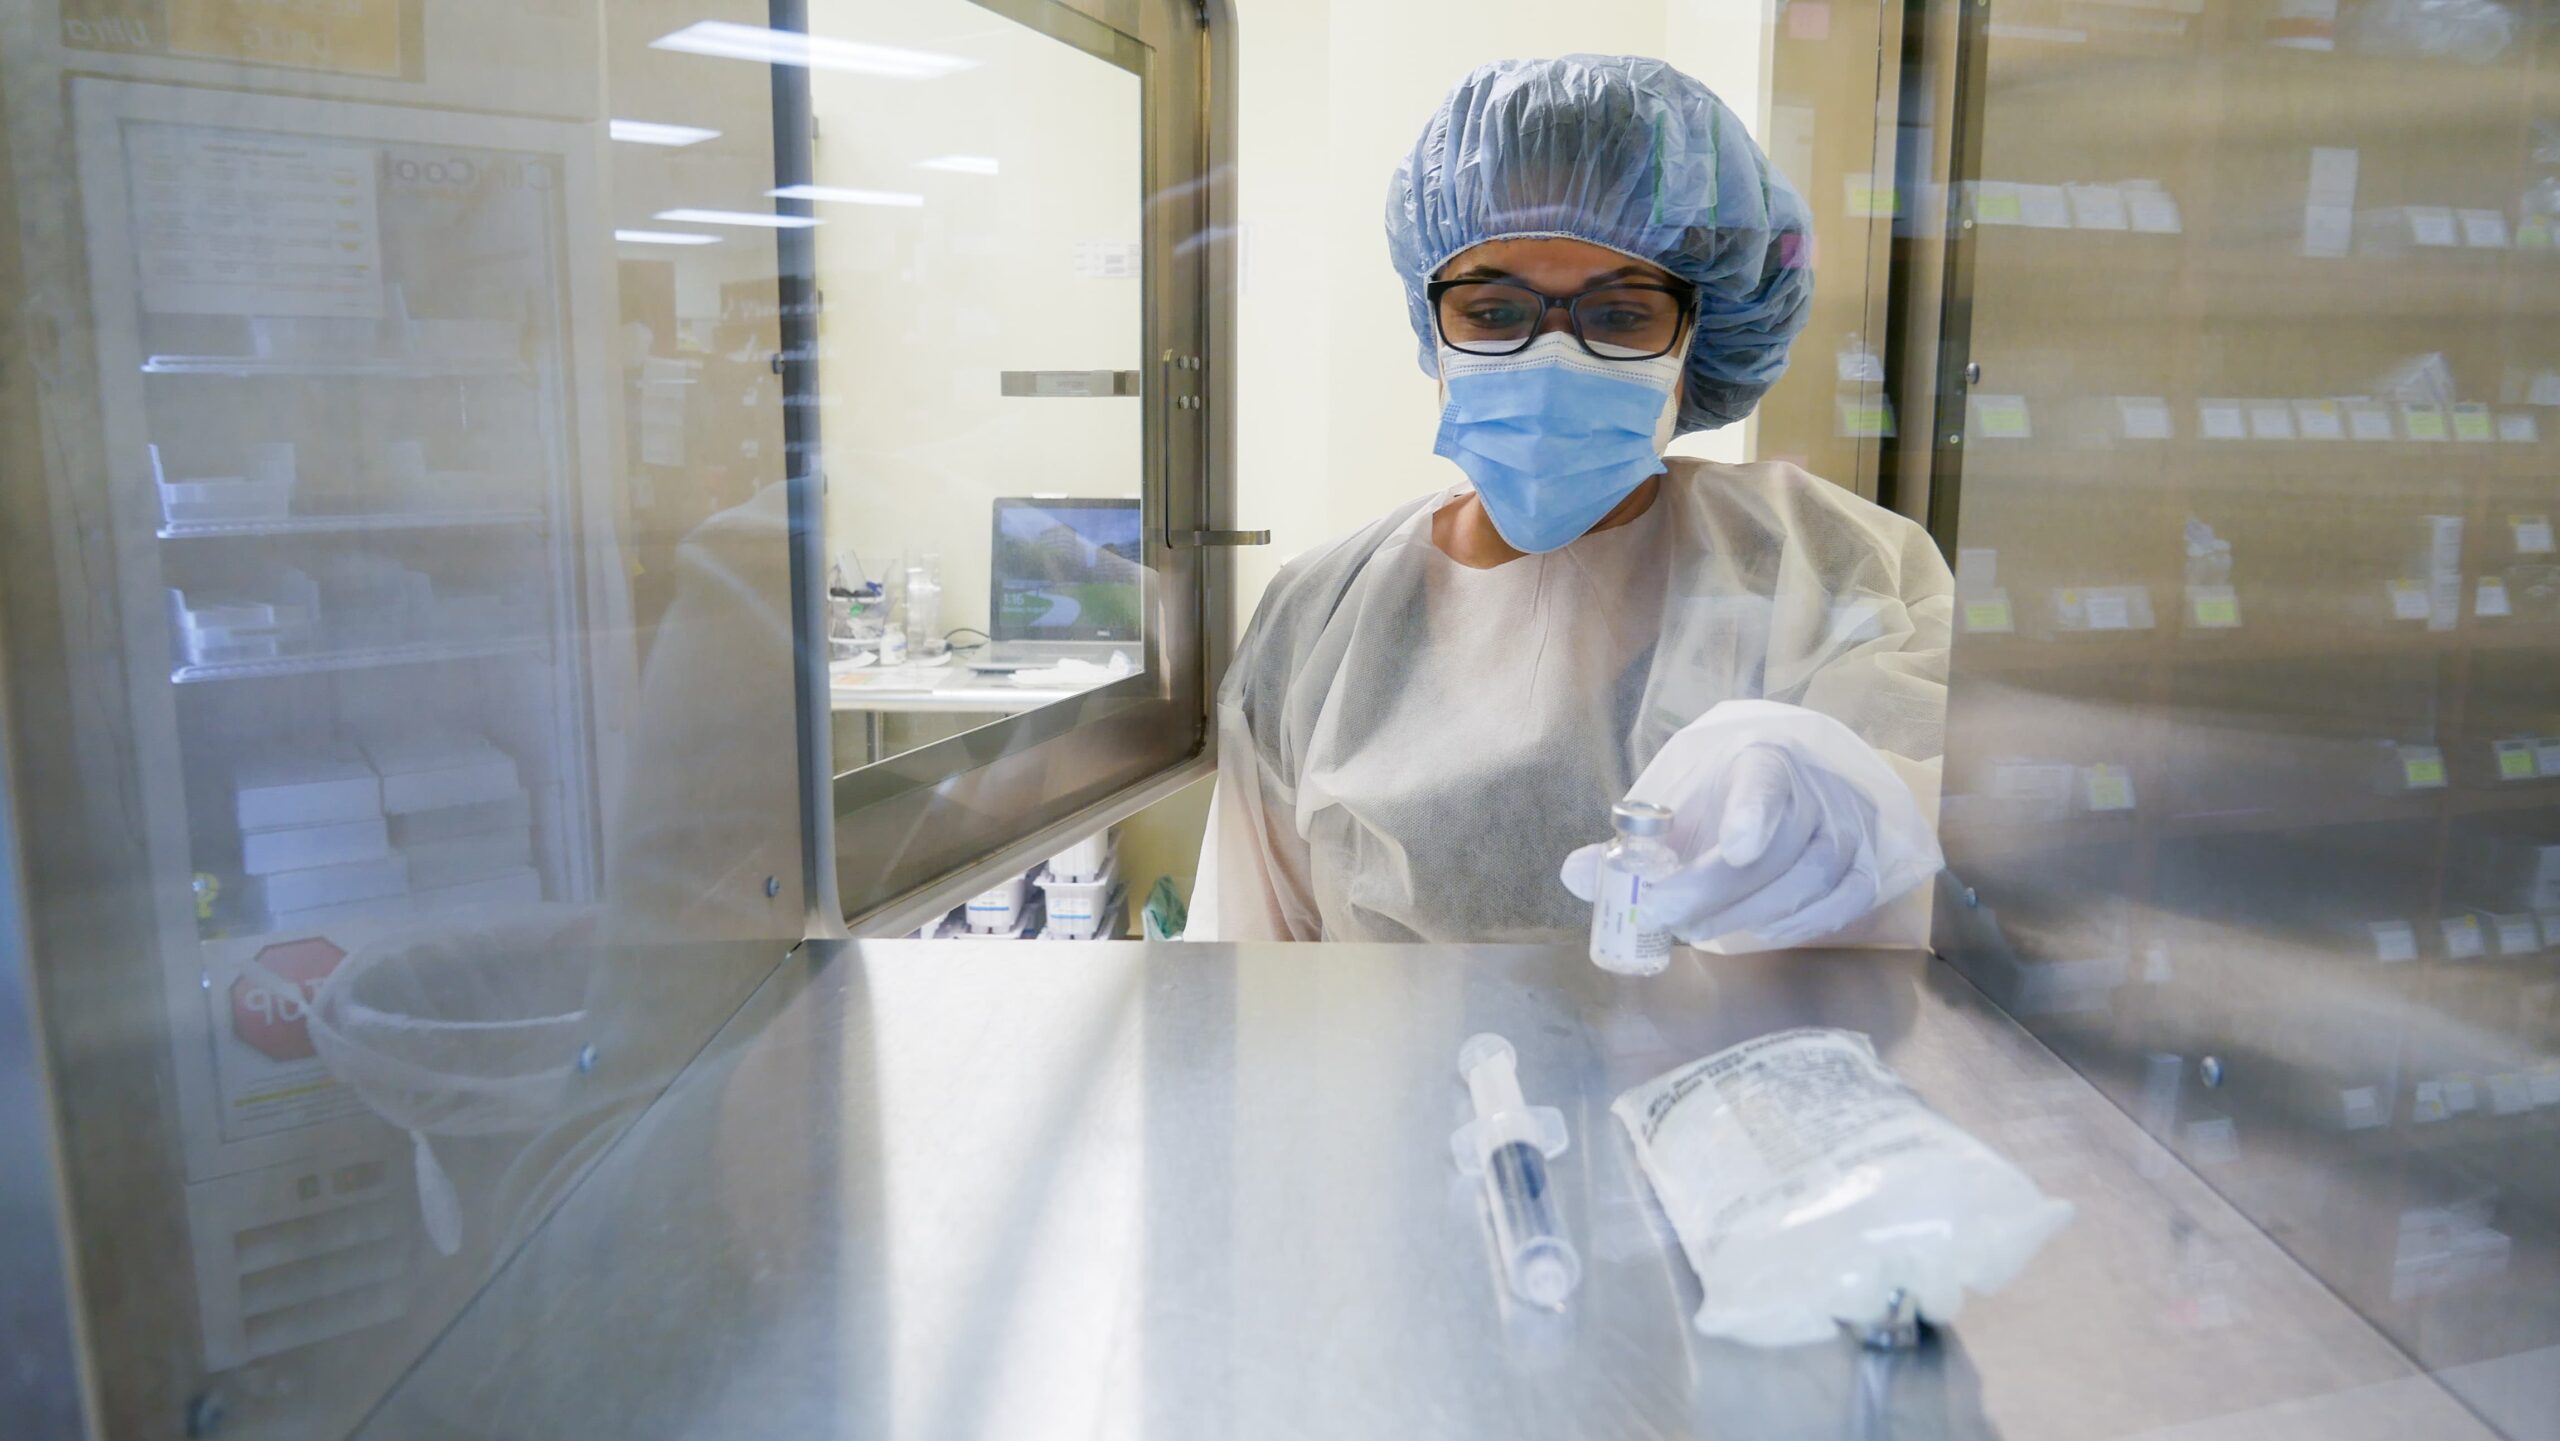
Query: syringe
1508	1144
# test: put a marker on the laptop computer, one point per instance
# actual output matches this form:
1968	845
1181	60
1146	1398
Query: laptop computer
1066	579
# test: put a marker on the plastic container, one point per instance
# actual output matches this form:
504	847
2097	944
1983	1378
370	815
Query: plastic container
999	908
216	629
467	1029
265	494
1085	910
1094	858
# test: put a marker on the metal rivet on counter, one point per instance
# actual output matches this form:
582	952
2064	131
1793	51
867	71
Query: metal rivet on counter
2211	1070
772	886
1972	898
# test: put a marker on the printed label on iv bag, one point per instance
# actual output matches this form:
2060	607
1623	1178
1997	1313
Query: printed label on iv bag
1806	1182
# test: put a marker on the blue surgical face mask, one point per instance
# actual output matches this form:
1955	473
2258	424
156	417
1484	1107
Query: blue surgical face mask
1554	437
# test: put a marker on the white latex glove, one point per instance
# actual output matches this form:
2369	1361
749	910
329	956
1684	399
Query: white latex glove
1787	825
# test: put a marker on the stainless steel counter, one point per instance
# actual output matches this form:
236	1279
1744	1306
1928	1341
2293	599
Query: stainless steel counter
1041	1191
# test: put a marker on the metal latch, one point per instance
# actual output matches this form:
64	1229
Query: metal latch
1210	539
1071	384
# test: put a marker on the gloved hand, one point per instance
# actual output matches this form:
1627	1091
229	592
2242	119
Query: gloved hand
1787	825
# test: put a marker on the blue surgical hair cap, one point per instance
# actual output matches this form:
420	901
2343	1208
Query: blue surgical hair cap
1627	153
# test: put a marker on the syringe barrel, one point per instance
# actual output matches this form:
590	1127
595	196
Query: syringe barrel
1537	1260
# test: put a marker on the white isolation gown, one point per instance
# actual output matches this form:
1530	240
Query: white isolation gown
1409	747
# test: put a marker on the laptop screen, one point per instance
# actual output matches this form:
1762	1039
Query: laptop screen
1067	570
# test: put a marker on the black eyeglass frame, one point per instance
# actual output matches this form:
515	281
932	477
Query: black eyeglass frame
1433	290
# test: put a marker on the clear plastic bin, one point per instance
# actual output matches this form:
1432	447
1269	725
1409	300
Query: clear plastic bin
998	909
1079	910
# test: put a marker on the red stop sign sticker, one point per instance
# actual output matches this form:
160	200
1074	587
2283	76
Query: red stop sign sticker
270	1018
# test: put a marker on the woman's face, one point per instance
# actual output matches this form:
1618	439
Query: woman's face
1556	267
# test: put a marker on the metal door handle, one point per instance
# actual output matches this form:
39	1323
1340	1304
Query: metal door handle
1071	384
1206	539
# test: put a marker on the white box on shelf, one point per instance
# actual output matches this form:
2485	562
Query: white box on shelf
336	885
321	918
520	886
449	822
278	791
465	859
428	770
294	848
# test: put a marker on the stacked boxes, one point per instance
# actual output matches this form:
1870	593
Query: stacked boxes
378	828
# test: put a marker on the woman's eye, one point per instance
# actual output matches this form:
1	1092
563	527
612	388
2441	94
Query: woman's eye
1624	318
1494	317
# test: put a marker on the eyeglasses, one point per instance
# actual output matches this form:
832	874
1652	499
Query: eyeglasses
1622	320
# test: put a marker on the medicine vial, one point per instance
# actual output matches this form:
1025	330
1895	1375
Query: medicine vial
1636	857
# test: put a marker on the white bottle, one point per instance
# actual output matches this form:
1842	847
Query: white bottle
924	608
1635	857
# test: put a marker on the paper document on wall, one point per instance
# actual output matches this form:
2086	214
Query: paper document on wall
233	222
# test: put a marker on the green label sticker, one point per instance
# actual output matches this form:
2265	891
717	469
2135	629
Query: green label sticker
2423	422
1987	615
2002	417
2423	772
1997	207
2215	607
2473	422
2516	761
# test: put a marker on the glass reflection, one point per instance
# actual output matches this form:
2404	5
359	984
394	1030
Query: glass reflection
2246	794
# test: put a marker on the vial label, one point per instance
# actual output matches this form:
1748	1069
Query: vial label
1619	940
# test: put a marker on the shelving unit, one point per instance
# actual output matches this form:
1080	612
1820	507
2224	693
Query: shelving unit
2230	900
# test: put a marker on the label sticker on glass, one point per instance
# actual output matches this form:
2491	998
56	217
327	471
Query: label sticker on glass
2360	1107
2462	937
2533	533
2517	427
2221	420
2152	212
2320	419
2510	1093
2213	607
2000	417
2109	787
2270	420
2472	422
1862	419
2409	600
2483	229
2518	935
2098	207
2432	225
2460	1095
2516	761
2490	600
2394	941
2422	767
2368	421
2428	1104
2545	1082
2422	422
2144	417
2108	610
1989	615
1995	202
2546	755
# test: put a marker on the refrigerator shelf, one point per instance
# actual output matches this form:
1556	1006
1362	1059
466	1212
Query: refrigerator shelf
368	367
417	653
354	524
